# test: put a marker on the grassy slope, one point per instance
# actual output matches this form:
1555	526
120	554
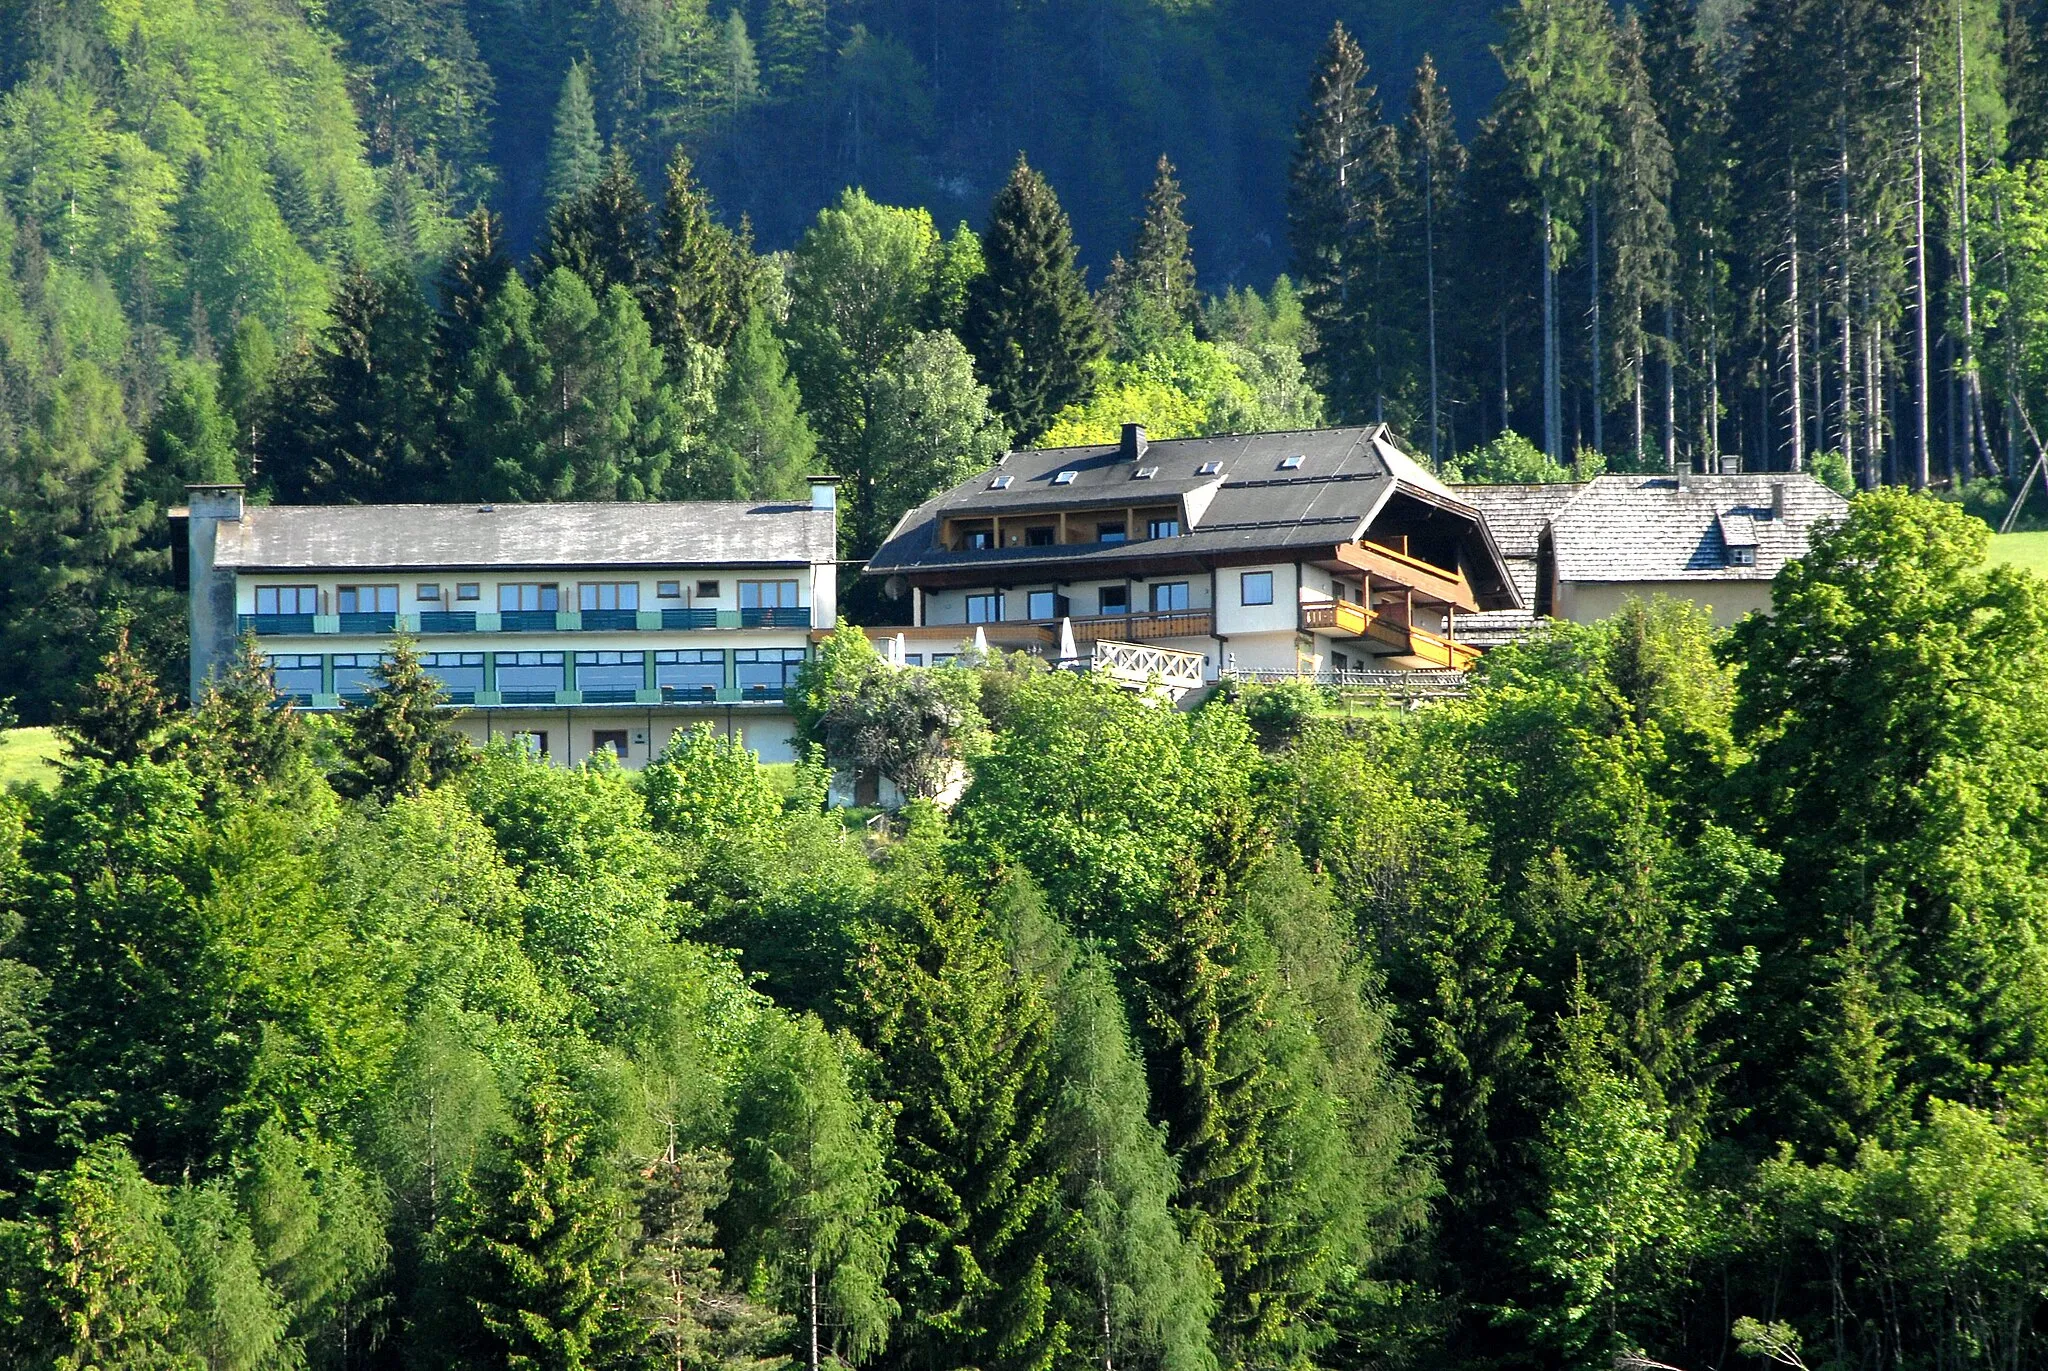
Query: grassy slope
27	754
2029	550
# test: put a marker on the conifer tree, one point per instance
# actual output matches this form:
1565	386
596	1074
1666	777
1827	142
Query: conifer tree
964	1044
809	1192
120	716
242	734
398	742
1150	296
472	275
1338	192
1434	163
601	232
695	288
760	446
697	1321
1029	321
575	156
1645	256
541	1244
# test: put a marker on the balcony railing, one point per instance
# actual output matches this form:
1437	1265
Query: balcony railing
527	621
761	692
610	696
611	619
689	618
1145	627
367	623
528	697
785	616
1336	616
683	695
438	621
267	624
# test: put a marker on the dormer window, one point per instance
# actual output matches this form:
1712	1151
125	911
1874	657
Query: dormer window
1144	473
1290	463
1741	556
1209	469
1001	483
1064	478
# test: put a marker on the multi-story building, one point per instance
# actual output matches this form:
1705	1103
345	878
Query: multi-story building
579	627
1299	552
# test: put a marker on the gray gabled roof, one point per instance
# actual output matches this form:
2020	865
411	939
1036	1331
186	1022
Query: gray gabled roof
1670	528
1518	514
409	537
1253	503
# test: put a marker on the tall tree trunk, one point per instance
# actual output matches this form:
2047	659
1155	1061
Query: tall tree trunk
1599	391
1553	417
2012	355
1973	385
1670	388
1846	429
1921	456
1795	375
1503	371
1429	276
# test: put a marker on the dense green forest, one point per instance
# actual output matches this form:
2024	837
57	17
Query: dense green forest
575	249
1678	996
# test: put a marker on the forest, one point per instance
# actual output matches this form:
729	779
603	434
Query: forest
1674	999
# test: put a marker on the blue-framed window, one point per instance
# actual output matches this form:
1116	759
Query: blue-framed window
765	670
613	676
287	600
460	673
296	673
352	673
366	600
529	596
608	595
689	671
527	677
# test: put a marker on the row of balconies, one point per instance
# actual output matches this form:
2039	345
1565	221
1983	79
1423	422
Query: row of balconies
495	699
525	621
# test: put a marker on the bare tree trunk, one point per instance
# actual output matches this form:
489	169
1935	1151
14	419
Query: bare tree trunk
1503	371
1921	455
1847	427
1670	389
1553	417
1796	388
1599	392
1973	385
1429	274
812	1300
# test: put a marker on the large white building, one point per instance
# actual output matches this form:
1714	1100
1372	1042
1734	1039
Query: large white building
1298	552
578	627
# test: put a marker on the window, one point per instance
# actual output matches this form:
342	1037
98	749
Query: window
691	671
461	673
978	538
366	600
609	673
608	595
1111	533
287	600
1064	478
352	672
528	597
985	609
1001	483
1144	473
1290	463
1169	597
468	590
1255	588
1042	604
944	658
913	659
1041	536
612	740
707	590
528	674
427	590
1113	600
1209	469
768	595
765	669
1741	556
1163	528
668	590
534	740
295	673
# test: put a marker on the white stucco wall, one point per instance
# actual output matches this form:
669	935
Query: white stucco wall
770	734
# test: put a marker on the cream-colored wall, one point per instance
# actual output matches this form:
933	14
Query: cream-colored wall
1286	652
770	734
1234	617
950	606
1586	601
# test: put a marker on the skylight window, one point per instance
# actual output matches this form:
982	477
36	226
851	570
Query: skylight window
1144	473
1209	469
1290	463
1001	483
1064	478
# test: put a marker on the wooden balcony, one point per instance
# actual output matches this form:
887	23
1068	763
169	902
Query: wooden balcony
1383	565
1340	618
1389	626
1144	627
1136	666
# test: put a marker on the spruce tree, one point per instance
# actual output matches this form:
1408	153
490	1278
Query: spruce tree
541	1244
695	289
601	233
964	1043
575	156
760	446
1150	296
398	742
1433	162
1029	320
474	272
120	715
1338	188
242	735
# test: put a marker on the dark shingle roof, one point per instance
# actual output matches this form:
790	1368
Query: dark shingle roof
396	537
1253	502
1517	514
1669	528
